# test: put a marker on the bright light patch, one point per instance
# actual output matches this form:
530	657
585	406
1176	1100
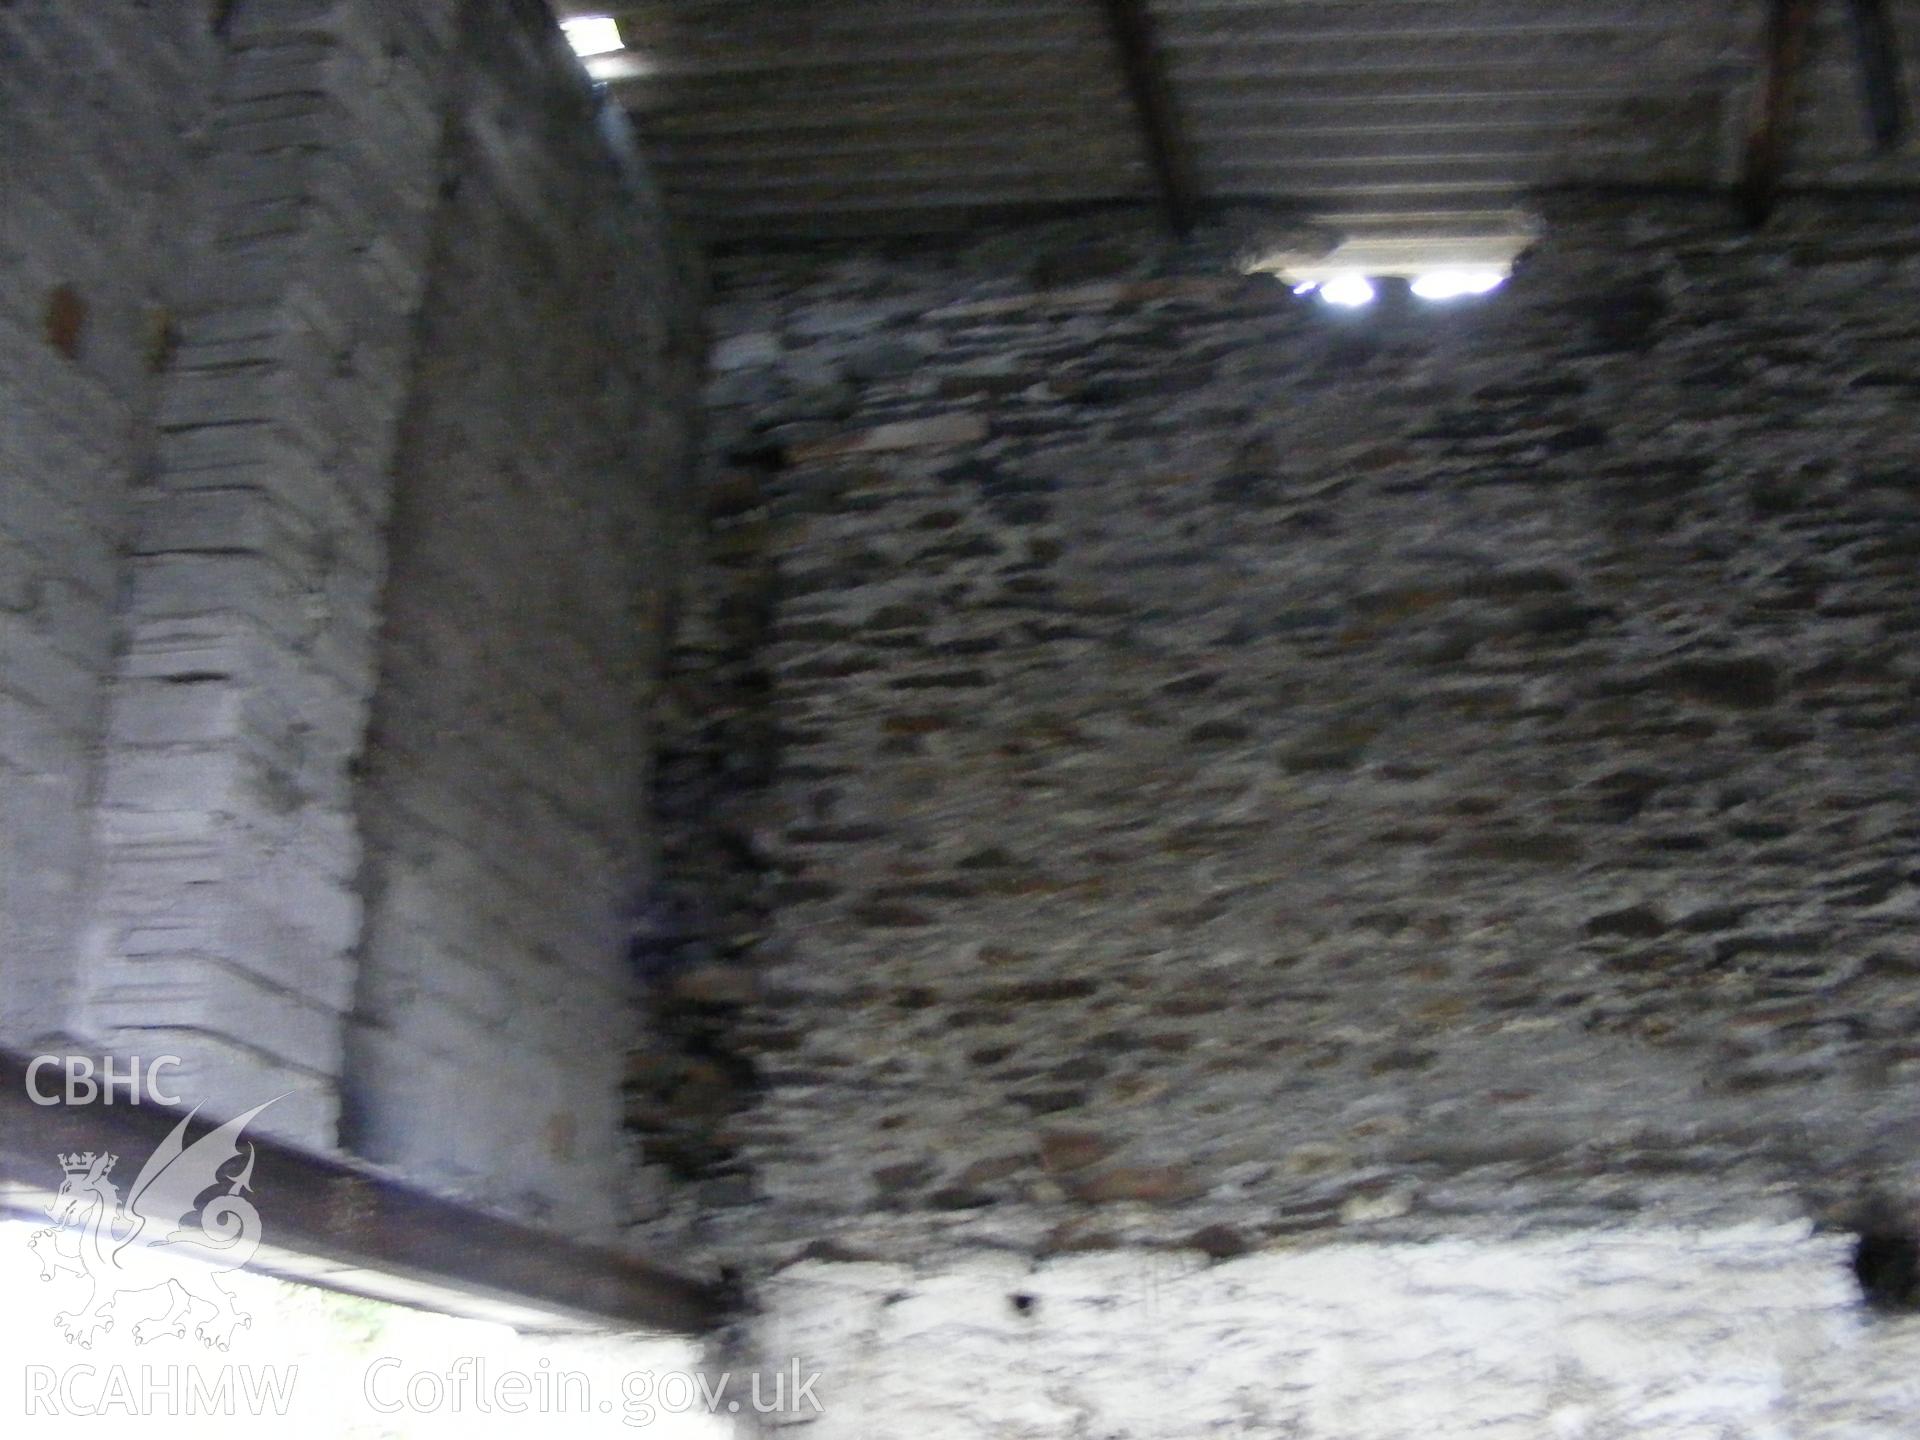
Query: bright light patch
310	1362
1452	284
1348	291
593	35
1341	258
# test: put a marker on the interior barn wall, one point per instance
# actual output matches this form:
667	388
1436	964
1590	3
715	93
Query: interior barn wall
241	234
1617	1335
534	552
223	916
1239	768
92	243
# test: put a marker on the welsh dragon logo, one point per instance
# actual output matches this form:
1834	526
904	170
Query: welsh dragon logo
162	1237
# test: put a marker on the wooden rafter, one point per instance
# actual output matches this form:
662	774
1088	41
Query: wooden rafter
1877	47
344	1226
1152	93
1788	25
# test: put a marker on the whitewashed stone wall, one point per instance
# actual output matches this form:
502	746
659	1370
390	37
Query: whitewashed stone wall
1752	1331
536	544
348	367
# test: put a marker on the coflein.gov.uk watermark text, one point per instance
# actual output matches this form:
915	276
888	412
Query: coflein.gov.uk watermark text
388	1387
469	1386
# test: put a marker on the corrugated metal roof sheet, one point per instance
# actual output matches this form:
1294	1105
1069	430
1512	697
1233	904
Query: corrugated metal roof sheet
875	116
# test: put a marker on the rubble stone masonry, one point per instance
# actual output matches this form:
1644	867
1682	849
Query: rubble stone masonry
1230	768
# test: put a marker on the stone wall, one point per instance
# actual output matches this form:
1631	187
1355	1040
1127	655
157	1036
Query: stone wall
89	239
1237	768
309	290
1621	1335
223	915
535	548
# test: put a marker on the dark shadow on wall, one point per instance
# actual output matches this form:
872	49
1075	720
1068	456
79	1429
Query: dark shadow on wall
696	925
